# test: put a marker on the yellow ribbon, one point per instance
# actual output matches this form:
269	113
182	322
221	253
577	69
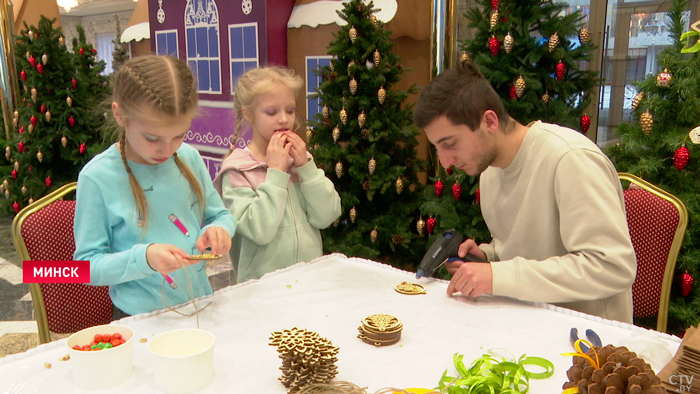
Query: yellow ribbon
580	353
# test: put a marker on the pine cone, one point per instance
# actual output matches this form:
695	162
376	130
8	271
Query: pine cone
620	371
397	239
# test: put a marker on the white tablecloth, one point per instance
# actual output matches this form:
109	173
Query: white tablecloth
331	296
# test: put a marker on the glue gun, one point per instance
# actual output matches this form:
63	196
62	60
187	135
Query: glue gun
443	249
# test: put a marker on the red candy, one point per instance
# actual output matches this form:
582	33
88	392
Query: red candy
101	342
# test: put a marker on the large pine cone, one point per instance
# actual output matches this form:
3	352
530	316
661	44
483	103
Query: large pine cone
620	372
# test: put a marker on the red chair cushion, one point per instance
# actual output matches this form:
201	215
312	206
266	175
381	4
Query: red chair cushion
70	307
652	223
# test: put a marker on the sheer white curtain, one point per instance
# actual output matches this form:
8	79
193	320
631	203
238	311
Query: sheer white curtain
104	47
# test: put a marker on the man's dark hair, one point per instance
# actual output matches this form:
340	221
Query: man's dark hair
462	94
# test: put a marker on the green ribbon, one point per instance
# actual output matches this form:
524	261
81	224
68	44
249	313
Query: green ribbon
685	39
489	375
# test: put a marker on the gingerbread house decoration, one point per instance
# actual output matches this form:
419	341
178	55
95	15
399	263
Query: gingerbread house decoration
220	40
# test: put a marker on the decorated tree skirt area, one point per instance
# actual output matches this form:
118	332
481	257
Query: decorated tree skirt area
349	325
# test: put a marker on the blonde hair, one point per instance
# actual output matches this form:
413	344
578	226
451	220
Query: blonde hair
255	83
155	85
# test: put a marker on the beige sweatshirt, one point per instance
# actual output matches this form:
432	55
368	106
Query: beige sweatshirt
557	218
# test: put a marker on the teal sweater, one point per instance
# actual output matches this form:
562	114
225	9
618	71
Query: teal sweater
107	234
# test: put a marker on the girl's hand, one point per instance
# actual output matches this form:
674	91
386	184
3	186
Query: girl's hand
298	148
166	258
277	152
215	238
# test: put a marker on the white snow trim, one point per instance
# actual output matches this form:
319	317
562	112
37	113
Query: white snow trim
136	32
323	12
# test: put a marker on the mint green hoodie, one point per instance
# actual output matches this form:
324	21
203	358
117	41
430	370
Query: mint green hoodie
279	214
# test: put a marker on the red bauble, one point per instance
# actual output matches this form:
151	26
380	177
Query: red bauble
438	187
477	195
93	50
71	121
82	51
680	158
82	148
48	181
449	170
40	68
494	4
23	75
21	129
559	70
513	93
457	190
686	283
20	146
585	123
32	61
430	225
74	83
14	174
494	45
43	108
15	206
32	120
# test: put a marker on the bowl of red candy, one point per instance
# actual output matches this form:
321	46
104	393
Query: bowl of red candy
108	347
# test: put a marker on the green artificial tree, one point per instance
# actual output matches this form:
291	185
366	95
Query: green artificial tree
366	143
657	147
55	133
535	56
119	54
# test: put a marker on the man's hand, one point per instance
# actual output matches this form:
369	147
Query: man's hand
471	279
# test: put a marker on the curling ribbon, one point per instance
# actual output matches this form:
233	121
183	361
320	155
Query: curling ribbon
580	353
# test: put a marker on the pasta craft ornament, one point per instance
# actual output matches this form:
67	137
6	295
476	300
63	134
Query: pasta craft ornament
307	358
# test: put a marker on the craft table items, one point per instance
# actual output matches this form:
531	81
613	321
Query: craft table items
682	373
307	358
380	330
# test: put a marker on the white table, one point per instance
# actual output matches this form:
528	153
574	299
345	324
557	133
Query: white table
331	296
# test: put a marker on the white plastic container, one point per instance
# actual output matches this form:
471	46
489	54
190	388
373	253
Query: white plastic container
183	360
94	370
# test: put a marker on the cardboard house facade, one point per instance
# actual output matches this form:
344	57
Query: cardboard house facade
220	40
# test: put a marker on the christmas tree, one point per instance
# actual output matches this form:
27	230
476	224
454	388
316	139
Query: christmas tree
658	147
535	56
366	143
55	133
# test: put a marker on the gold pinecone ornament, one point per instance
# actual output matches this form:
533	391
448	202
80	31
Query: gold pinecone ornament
361	119
309	134
375	22
64	140
494	19
40	156
464	57
399	186
339	169
353	86
377	58
583	35
519	86
47	115
508	43
344	116
646	122
353	34
637	100
545	98
373	235
553	42
336	133
24	190
372	165
325	111
420	226
381	95
353	214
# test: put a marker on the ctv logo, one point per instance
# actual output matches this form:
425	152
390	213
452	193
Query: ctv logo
55	271
683	382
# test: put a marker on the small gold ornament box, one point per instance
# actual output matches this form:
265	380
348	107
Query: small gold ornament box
410	288
380	330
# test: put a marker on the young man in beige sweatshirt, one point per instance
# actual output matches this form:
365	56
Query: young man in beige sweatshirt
550	198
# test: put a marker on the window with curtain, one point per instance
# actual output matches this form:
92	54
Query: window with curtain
105	47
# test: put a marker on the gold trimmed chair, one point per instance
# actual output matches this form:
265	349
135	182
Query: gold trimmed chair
657	221
43	230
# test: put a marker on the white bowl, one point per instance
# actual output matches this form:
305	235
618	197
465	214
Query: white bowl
183	360
94	370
